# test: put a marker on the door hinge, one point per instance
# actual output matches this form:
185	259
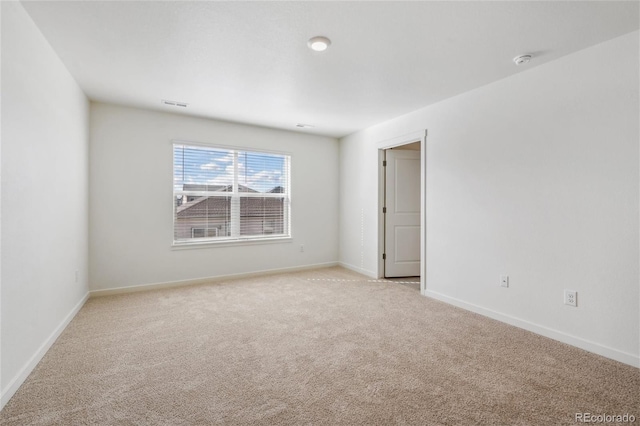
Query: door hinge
384	163
384	210
384	256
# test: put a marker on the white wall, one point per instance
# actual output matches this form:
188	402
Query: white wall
535	176
45	119
1	404
131	216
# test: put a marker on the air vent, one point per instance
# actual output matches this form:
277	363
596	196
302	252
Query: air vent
175	103
304	126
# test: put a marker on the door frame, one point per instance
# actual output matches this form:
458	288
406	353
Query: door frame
419	136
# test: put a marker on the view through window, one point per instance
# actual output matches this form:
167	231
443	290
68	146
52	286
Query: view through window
226	194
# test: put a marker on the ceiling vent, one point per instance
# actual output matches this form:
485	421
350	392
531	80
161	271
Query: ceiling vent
174	103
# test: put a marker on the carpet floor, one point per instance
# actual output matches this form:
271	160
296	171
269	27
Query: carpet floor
317	347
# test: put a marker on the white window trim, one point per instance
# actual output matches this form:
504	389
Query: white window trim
227	243
237	240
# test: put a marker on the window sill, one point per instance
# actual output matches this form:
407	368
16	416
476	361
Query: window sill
229	243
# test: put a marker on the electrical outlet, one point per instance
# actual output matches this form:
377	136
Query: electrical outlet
571	298
504	281
301	248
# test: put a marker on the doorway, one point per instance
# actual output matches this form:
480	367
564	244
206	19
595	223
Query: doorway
402	220
402	211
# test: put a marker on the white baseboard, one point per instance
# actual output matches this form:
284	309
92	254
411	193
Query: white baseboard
368	273
17	381
596	348
195	281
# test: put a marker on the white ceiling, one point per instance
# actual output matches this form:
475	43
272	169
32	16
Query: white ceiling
248	61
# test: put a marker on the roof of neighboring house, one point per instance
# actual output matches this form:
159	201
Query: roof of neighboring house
203	187
204	206
221	206
221	188
259	207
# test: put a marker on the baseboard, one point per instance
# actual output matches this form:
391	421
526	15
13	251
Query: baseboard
370	274
17	381
578	342
196	281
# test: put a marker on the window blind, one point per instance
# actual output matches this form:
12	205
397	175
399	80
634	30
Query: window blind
226	194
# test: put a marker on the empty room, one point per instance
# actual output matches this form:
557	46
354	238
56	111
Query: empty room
309	212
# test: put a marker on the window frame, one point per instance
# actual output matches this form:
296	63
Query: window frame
235	193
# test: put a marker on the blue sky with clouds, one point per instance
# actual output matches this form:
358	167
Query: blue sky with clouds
202	165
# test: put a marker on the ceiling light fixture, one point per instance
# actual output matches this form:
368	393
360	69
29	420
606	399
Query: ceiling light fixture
319	43
522	59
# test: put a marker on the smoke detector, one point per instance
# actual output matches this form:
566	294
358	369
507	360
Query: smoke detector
522	59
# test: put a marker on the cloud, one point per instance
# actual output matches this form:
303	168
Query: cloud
263	181
219	163
217	168
265	176
211	166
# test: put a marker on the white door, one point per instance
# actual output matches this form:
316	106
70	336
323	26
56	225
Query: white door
402	218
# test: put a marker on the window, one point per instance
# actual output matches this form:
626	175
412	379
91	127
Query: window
226	194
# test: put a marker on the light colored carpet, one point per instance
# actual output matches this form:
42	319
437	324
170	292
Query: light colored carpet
318	347
411	282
